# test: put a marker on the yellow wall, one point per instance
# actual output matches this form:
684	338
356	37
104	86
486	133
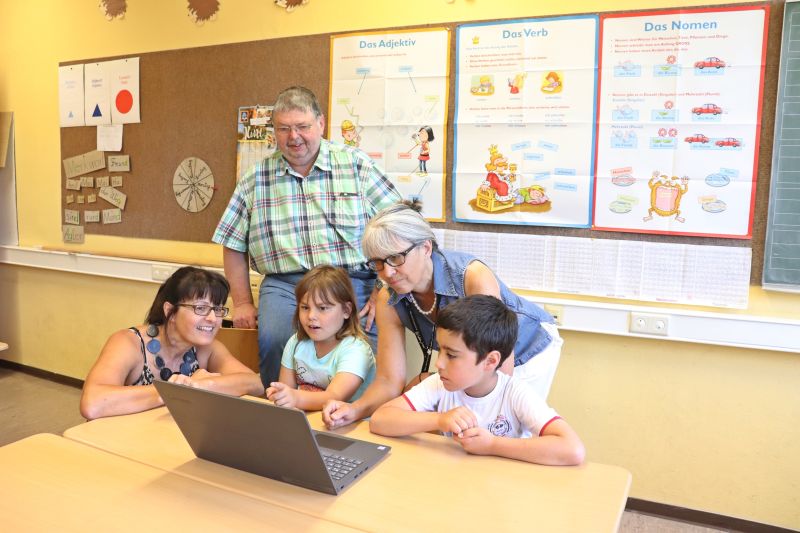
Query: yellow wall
707	428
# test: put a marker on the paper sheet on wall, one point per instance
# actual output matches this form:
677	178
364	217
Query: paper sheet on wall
679	121
109	138
72	234
119	163
256	137
97	107
524	126
70	96
389	98
123	76
84	163
716	276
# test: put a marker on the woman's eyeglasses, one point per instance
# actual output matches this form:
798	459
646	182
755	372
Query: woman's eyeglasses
394	260
204	310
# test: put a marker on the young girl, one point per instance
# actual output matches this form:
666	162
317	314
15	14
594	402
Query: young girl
328	358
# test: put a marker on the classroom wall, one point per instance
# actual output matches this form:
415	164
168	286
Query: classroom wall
707	428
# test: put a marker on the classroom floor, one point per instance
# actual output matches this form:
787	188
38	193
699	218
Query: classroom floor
33	405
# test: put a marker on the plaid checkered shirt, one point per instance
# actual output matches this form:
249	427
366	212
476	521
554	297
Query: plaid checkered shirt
288	223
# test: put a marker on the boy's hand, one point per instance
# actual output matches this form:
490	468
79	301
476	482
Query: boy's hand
475	440
281	394
457	420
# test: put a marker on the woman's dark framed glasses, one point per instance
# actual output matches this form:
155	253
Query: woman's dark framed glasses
204	310
394	260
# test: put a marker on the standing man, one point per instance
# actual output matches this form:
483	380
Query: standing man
305	205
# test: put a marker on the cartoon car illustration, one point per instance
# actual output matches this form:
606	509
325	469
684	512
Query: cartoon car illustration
697	138
729	141
709	62
707	109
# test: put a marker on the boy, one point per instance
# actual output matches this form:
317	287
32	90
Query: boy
486	412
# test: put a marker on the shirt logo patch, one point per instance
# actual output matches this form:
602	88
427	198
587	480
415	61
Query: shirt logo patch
500	427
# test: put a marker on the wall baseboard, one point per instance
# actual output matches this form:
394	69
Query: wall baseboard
44	374
701	518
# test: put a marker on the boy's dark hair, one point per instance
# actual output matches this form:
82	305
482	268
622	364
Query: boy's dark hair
484	323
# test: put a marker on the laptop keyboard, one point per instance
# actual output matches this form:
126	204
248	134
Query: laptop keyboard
338	465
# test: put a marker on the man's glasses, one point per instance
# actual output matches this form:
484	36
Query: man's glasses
299	129
394	260
204	310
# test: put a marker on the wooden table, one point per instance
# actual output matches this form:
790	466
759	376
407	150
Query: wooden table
426	483
50	483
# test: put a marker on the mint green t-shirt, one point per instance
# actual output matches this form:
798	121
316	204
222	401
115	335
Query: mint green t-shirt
352	355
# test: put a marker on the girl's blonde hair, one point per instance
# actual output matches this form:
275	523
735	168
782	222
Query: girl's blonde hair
330	285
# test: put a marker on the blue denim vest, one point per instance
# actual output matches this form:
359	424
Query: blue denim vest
448	282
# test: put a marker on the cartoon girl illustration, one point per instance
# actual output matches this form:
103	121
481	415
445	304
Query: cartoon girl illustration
423	138
552	83
484	87
349	133
515	85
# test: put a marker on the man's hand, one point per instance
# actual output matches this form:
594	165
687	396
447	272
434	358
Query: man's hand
282	394
475	440
245	316
457	420
336	414
369	309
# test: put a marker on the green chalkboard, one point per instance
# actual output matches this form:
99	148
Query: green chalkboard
782	245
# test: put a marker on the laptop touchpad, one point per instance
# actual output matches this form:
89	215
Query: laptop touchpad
333	443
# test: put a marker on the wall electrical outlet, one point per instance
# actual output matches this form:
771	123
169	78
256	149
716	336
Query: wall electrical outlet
649	324
556	311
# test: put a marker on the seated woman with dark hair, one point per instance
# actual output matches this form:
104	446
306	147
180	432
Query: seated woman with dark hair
176	343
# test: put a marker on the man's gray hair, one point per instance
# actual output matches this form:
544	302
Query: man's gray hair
297	99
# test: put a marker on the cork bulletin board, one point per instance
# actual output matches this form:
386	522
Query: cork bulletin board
189	103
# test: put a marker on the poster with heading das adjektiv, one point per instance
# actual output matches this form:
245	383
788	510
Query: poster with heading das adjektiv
389	98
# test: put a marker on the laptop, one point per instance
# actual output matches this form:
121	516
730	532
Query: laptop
271	441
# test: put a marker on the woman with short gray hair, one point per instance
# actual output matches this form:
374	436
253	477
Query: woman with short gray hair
419	280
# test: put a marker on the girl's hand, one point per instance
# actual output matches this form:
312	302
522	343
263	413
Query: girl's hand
281	394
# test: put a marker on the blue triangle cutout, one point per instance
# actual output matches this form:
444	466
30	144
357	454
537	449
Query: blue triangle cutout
97	112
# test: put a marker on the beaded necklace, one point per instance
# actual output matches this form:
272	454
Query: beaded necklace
154	347
429	311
